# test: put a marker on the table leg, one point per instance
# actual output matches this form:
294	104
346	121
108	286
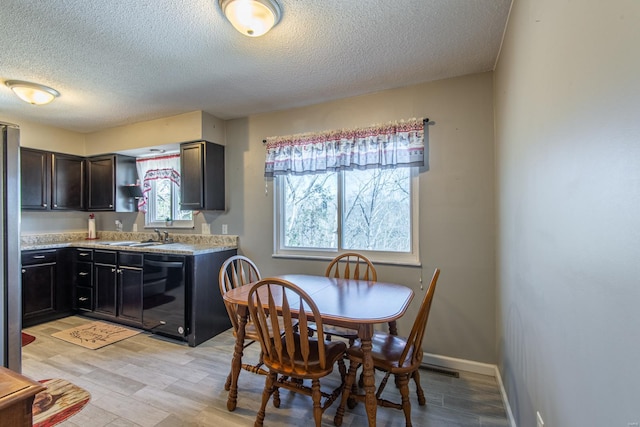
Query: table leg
236	362
366	332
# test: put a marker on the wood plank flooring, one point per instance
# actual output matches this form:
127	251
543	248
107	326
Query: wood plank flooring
150	381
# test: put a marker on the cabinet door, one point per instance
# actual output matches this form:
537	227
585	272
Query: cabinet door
202	176
101	181
67	189
38	289
191	176
131	293
35	174
105	281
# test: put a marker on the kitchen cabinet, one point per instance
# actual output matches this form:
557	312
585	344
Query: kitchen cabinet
82	278
202	184
51	181
67	182
118	285
35	175
106	177
45	296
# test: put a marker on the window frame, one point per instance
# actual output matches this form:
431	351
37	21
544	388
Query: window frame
411	258
175	206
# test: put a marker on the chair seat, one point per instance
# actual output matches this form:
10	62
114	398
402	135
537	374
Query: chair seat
386	351
333	352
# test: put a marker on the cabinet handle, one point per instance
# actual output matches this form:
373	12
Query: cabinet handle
83	299
55	206
110	206
83	254
38	256
83	273
120	270
44	205
24	271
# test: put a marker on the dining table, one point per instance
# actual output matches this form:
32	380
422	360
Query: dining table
349	303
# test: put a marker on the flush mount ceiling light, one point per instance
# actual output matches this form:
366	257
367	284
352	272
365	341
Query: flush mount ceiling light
33	93
252	18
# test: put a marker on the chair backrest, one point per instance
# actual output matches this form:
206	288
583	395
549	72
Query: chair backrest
236	271
414	341
271	302
353	266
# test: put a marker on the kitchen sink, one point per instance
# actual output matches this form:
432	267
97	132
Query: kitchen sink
134	244
143	244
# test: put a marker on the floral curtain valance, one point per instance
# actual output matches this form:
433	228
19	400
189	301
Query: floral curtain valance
154	168
397	144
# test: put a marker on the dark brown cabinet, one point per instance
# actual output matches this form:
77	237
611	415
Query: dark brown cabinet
106	177
67	182
82	278
202	176
35	174
118	285
38	283
45	292
51	180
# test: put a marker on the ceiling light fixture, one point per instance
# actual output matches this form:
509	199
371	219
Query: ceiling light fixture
252	18
33	93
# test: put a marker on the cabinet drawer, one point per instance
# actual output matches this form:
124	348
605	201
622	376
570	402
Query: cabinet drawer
84	298
83	254
105	257
38	257
83	274
130	259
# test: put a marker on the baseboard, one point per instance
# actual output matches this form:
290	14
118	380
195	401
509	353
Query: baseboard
505	399
459	364
475	367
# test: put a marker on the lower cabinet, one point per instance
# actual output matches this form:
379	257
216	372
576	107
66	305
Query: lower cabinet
118	285
136	289
45	295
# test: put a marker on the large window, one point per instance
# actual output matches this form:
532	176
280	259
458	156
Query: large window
371	211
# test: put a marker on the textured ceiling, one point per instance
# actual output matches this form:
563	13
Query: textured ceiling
118	62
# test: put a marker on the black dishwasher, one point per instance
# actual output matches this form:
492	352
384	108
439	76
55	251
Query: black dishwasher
166	309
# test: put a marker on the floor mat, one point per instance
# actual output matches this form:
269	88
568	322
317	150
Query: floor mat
27	339
58	402
95	335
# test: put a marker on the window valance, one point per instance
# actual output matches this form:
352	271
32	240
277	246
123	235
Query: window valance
396	144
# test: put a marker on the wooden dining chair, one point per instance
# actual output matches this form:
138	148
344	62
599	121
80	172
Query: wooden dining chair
395	355
238	271
293	356
351	265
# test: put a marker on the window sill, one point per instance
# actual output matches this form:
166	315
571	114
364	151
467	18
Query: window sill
325	258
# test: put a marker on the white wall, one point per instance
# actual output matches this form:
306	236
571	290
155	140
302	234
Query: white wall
568	184
456	201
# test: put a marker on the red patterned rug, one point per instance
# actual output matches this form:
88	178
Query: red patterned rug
27	339
58	402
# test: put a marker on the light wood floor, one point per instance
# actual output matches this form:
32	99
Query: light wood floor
150	381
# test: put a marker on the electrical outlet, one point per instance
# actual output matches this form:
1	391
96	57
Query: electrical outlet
539	422
206	228
225	230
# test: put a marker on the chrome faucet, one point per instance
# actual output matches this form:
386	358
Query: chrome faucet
166	237
159	234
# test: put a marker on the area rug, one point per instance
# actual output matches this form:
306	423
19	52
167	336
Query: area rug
95	335
58	402
27	339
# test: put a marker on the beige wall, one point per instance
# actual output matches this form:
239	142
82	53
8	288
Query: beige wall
568	179
42	137
456	200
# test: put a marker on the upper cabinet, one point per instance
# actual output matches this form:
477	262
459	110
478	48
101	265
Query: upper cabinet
202	176
35	173
67	182
51	180
106	177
